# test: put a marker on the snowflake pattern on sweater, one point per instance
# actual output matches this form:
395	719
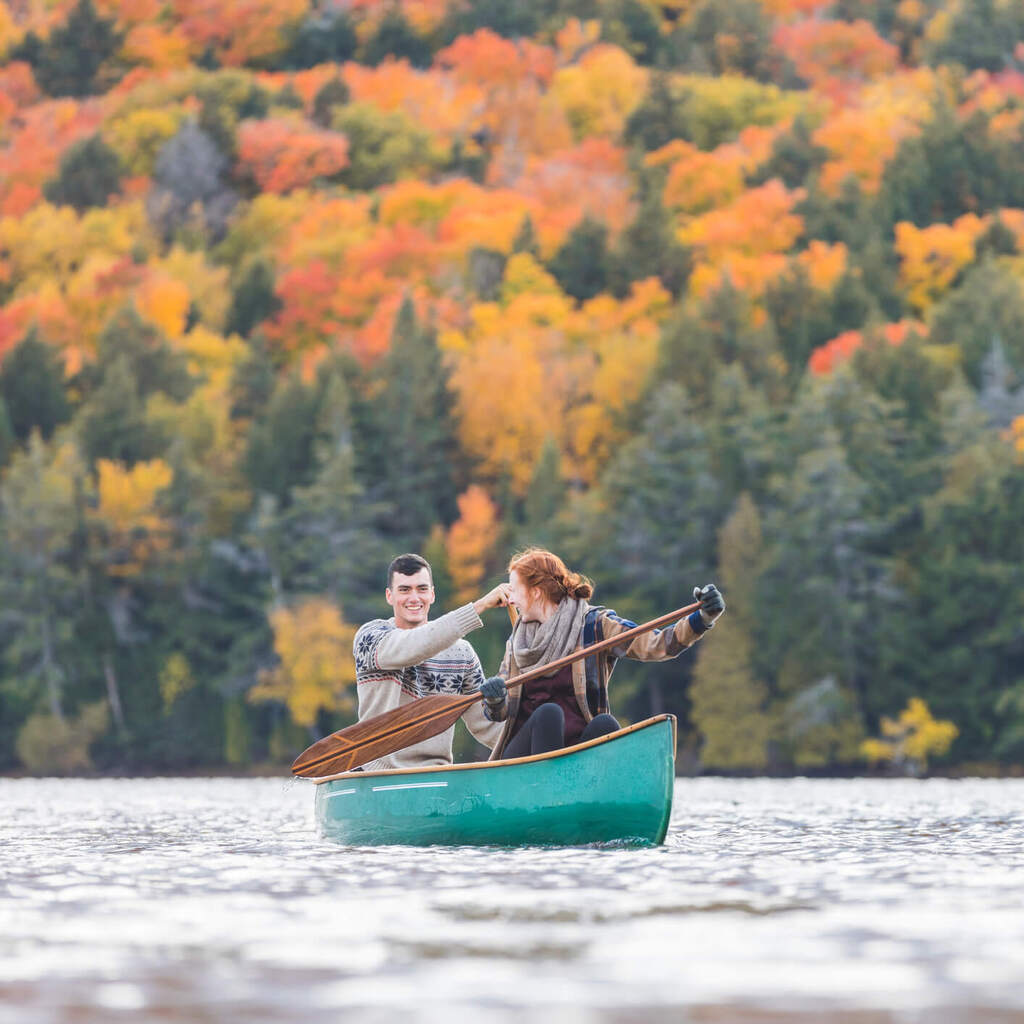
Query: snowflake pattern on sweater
456	669
452	669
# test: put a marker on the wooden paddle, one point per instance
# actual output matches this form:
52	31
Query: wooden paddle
420	719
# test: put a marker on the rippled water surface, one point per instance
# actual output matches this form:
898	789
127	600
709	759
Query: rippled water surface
215	900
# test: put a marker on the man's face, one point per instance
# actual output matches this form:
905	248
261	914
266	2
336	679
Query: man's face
411	598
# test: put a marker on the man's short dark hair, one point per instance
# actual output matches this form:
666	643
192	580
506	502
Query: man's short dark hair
408	565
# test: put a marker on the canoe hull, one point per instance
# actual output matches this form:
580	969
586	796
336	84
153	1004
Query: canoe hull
616	789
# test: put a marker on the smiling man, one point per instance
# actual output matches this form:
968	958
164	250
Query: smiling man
408	656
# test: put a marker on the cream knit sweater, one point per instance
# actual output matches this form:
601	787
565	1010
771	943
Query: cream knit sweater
395	666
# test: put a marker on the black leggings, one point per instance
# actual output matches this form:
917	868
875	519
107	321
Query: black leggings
544	730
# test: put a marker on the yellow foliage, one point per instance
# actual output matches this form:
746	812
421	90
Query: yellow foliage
175	678
127	510
213	357
316	670
47	745
912	738
534	366
163	302
208	286
470	540
157	47
326	231
138	135
525	277
600	92
824	263
10	33
47	245
932	257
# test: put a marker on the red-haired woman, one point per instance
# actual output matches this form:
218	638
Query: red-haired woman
556	619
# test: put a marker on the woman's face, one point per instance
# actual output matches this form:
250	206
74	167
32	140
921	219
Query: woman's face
524	599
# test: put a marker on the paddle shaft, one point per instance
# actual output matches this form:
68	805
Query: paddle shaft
425	717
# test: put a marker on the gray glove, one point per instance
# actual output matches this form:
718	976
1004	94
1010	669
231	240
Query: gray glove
495	696
712	604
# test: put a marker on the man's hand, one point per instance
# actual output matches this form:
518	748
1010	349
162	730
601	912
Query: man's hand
712	604
495	598
495	695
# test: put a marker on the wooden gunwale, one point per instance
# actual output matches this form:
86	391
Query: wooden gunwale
391	772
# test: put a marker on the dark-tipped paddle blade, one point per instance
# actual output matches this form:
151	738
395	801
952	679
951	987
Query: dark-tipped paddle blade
383	734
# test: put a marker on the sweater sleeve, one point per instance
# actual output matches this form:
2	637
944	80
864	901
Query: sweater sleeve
655	645
400	648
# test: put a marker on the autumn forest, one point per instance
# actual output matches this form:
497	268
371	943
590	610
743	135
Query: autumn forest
689	290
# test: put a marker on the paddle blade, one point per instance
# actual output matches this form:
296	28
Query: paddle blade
381	735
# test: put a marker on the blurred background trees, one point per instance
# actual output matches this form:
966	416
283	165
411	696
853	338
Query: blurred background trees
718	291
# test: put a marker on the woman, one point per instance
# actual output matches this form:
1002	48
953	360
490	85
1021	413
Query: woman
555	619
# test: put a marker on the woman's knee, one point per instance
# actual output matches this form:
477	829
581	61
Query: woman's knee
600	725
549	715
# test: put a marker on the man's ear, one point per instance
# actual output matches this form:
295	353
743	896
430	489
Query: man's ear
388	596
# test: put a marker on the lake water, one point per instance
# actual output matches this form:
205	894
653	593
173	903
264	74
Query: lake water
197	900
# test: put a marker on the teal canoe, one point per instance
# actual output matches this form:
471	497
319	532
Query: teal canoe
614	789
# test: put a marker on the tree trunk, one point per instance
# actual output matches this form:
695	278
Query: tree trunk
113	694
51	672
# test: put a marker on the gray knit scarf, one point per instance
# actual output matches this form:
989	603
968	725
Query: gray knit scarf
538	643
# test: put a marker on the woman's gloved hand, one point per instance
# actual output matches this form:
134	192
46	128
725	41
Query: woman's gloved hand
495	696
712	604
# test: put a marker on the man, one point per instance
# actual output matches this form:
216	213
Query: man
406	657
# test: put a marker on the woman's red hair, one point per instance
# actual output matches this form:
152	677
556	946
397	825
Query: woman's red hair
544	571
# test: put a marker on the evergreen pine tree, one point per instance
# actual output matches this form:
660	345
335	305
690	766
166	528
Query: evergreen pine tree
253	300
32	388
90	173
729	700
410	459
581	265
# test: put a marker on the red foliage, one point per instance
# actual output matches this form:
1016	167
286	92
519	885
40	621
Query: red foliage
490	60
283	155
827	357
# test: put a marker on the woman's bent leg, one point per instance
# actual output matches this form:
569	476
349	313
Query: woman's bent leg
544	730
599	725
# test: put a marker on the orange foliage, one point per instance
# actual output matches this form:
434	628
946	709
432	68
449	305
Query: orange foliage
760	221
861	138
824	263
432	100
932	257
240	32
18	89
589	179
495	62
789	10
164	302
470	540
157	47
33	150
283	155
533	366
821	50
1016	433
825	358
698	181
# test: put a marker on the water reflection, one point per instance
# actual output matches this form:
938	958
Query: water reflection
215	900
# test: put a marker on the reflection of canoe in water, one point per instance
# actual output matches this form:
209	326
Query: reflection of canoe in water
614	789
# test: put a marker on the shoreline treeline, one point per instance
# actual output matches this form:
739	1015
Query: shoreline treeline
727	291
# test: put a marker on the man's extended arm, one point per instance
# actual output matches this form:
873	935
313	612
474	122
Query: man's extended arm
400	648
